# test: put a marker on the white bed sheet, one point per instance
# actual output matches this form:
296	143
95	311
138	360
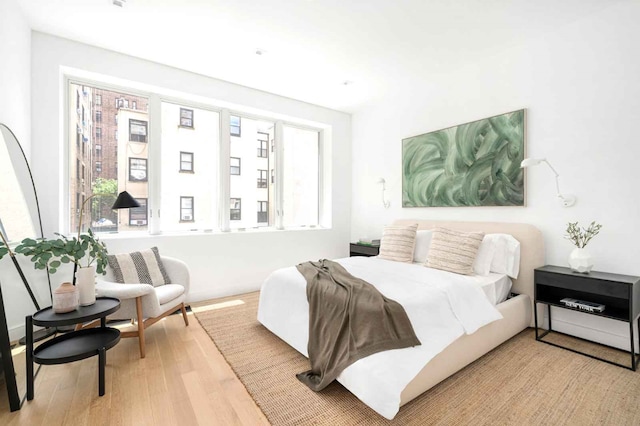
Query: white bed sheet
441	306
495	286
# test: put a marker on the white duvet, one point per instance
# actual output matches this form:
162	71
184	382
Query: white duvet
441	306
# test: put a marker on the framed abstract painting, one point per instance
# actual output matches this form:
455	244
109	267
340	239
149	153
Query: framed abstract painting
472	164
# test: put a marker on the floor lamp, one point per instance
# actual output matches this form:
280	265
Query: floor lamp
124	201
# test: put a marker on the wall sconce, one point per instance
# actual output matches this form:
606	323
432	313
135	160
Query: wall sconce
385	203
565	200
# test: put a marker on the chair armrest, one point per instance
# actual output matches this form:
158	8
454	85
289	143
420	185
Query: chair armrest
122	291
178	271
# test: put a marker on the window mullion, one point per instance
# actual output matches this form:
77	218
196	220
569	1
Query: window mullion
279	167
154	164
224	178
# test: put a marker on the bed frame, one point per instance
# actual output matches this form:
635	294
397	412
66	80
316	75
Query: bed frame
517	311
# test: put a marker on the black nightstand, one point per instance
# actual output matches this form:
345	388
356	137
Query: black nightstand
362	250
619	293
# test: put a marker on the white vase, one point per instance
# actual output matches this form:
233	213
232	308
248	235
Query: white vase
580	260
86	283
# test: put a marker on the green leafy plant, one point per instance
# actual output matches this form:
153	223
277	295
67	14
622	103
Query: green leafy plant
581	236
3	250
52	253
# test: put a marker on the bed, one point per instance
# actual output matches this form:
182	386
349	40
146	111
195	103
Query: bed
385	381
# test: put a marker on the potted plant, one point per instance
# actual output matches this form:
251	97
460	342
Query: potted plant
580	260
88	253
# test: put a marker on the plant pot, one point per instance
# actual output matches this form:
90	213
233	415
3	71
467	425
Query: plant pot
86	283
65	298
580	261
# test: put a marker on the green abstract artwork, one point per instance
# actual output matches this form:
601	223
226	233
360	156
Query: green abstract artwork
473	164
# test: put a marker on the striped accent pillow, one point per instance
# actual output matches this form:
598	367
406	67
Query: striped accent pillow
139	267
398	243
454	251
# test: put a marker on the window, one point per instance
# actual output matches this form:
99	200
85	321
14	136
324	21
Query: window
262	178
186	118
98	166
135	105
263	140
98	150
98	133
186	161
137	169
300	178
98	116
122	103
263	212
272	176
186	208
115	135
98	99
235	209
137	130
235	125
235	166
138	216
272	144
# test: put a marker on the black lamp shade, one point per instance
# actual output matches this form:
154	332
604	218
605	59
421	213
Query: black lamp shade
125	201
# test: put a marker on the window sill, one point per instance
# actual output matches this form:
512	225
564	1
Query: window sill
201	232
186	127
190	172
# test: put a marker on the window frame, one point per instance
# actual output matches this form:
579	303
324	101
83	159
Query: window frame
263	146
192	208
186	126
239	126
146	211
238	210
146	170
183	170
146	130
263	180
239	166
260	210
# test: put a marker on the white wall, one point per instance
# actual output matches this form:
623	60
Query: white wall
581	89
221	263
15	68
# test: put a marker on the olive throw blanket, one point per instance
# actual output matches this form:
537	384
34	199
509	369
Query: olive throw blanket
349	319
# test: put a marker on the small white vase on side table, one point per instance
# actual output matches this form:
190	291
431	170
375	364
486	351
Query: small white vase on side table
86	282
580	260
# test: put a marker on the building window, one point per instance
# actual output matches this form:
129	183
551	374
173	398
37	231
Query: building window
135	105
98	166
122	103
235	165
98	99
139	216
235	209
186	161
263	140
262	178
272	144
138	169
98	151
235	125
77	169
98	116
115	134
98	133
137	130
186	209
272	176
263	211
186	118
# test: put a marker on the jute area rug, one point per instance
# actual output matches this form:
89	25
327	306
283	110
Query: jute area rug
522	382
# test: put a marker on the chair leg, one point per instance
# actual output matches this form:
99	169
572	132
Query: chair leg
184	314
140	326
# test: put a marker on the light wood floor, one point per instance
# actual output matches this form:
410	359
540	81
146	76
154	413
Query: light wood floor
183	380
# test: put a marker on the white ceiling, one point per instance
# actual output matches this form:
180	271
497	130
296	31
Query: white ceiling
312	46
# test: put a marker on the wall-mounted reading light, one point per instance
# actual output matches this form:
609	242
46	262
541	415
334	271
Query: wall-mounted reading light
385	203
566	200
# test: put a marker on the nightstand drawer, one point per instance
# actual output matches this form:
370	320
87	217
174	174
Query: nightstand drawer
584	284
362	250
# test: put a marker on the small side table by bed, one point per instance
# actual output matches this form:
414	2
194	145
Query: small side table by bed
619	293
75	345
356	249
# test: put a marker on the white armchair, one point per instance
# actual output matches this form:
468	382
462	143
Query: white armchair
145	303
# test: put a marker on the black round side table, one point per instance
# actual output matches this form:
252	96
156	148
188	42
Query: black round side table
75	345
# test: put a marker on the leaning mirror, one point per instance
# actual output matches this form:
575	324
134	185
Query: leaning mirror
22	289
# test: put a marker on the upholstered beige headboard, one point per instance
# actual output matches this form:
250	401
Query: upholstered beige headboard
530	237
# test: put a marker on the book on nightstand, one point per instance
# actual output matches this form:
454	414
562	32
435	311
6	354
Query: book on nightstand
583	305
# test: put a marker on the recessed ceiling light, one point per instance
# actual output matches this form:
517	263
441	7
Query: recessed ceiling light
347	83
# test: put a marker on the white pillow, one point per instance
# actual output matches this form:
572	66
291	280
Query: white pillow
423	241
484	258
506	255
398	242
